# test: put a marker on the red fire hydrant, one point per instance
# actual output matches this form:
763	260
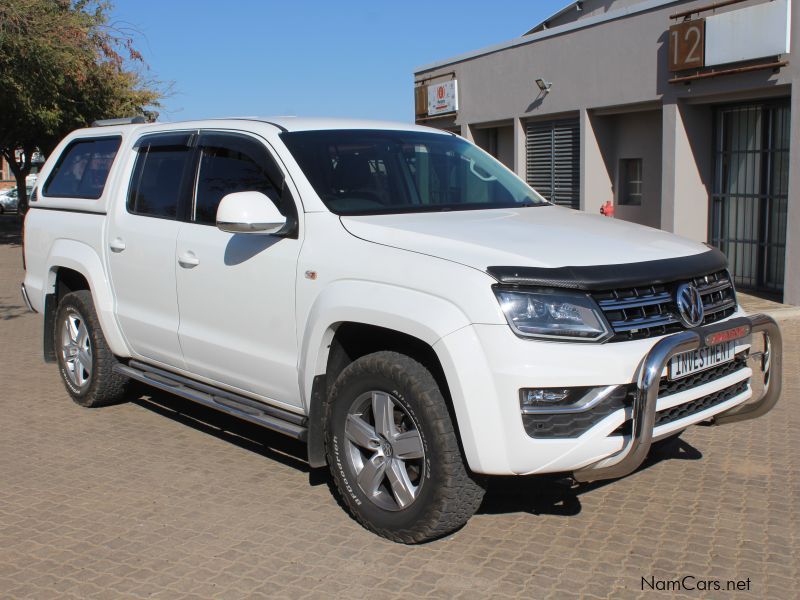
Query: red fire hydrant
607	210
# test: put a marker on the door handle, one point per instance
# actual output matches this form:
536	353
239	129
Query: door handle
117	245
188	260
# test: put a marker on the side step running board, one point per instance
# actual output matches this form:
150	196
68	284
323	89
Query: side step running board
273	418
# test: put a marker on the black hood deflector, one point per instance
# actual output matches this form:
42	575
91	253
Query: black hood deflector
605	277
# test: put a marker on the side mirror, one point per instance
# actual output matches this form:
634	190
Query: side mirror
249	212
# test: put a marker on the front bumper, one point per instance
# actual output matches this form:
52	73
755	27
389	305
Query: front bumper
487	365
646	397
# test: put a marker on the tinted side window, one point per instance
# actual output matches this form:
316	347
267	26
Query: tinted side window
82	169
157	184
231	164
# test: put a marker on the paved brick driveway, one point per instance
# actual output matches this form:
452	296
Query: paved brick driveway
158	498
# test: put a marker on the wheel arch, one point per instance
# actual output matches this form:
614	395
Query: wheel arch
387	317
60	282
72	266
349	341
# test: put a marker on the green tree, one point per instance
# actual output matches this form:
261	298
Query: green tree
63	66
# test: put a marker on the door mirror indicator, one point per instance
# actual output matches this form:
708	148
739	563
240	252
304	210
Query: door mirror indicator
249	212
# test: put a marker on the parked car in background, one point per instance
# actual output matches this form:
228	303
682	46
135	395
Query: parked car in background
9	199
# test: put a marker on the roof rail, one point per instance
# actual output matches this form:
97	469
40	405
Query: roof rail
122	121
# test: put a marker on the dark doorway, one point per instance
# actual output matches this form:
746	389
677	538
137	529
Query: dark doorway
750	196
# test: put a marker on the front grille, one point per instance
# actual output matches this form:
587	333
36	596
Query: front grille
668	388
649	311
668	415
695	406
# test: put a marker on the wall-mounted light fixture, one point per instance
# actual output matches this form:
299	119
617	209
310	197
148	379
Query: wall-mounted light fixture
543	85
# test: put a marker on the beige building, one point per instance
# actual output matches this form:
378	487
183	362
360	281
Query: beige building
684	114
6	176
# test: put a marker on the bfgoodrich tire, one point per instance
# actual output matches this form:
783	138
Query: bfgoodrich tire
84	360
393	451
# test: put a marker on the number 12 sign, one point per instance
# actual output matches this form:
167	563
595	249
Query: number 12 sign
687	45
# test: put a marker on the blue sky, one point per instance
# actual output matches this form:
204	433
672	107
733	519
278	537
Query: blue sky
347	58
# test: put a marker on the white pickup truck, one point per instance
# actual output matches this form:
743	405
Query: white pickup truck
389	294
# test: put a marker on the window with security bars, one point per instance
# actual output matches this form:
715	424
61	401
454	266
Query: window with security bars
553	161
749	204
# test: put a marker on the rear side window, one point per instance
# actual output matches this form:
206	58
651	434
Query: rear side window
82	169
159	177
228	164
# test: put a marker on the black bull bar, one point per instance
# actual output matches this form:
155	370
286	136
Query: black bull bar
644	404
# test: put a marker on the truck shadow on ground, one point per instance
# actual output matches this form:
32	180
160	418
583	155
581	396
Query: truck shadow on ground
11	311
538	495
240	433
560	495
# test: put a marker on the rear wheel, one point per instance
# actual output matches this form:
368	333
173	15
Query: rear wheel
84	360
393	451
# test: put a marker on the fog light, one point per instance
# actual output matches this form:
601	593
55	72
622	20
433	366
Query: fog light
544	397
562	400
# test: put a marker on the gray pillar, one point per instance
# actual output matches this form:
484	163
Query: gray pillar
684	195
520	149
791	282
669	122
596	184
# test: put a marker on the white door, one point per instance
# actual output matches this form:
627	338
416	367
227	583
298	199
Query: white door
236	291
141	238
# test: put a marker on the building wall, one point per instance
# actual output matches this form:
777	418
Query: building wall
633	135
614	75
613	63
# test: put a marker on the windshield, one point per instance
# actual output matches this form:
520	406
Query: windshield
359	172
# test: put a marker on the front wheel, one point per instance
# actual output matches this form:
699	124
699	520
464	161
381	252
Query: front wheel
84	360
393	451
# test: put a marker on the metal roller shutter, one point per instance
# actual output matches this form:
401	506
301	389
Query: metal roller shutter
553	160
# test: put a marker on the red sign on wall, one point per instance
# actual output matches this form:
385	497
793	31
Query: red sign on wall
442	97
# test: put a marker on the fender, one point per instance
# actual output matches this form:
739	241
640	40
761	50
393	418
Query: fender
418	314
82	258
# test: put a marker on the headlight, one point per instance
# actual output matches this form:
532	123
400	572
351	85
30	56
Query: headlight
554	315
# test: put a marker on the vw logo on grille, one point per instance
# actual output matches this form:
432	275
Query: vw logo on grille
690	305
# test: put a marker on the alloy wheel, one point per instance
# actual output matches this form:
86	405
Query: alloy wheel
385	450
76	349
